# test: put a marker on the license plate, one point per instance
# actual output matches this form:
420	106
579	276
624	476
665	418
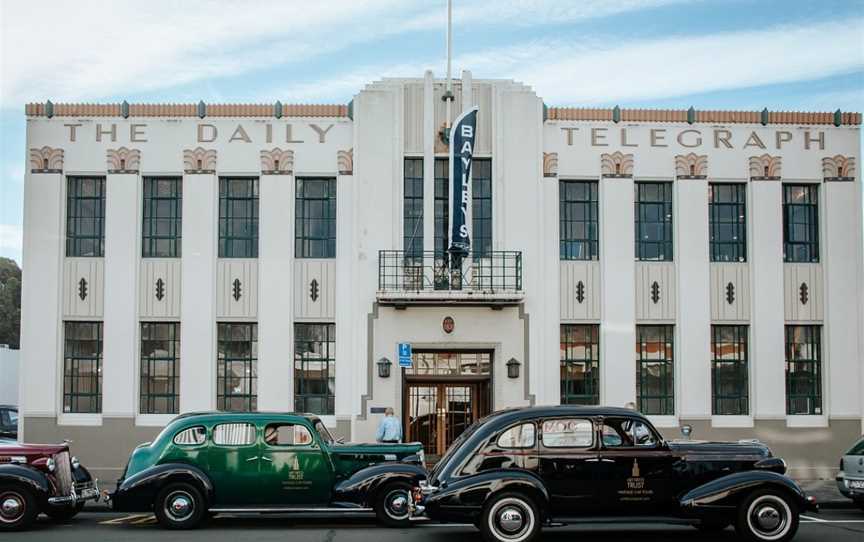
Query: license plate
856	484
89	493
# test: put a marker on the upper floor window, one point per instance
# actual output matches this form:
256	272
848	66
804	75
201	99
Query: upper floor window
800	223
727	222
412	208
653	221
481	207
577	220
442	206
315	218
315	368
163	211
238	217
82	367
85	216
804	370
237	366
655	370
160	367
729	372
580	357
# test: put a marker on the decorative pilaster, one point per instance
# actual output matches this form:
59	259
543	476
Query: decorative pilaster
123	160
838	168
345	162
277	162
46	160
616	165
691	166
550	164
199	161
765	168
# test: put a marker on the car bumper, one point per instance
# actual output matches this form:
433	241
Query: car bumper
850	492
81	492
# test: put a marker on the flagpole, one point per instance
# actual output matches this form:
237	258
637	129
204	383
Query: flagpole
448	95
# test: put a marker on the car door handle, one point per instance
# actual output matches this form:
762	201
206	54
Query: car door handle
265	458
252	459
593	460
605	460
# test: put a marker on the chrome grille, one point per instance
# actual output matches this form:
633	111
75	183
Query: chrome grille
63	472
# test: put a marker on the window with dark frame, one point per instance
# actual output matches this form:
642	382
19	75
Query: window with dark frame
238	217
160	368
727	221
315	218
481	207
578	220
161	233
442	223
580	358
85	217
412	208
82	367
655	370
315	368
800	223
653	211
729	371
804	370
237	366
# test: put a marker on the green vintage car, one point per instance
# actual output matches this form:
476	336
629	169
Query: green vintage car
259	462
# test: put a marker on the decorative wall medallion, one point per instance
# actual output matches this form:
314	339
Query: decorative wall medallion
442	141
580	292
550	164
123	160
616	165
838	168
448	324
804	293
46	160
765	168
199	160
655	292
277	162
691	166
730	293
82	289
236	289
345	162
160	289
313	290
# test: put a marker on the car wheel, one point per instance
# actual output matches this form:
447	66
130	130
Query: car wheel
510	517
18	508
63	513
179	506
393	505
767	516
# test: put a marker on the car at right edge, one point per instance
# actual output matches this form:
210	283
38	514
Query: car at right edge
850	479
517	471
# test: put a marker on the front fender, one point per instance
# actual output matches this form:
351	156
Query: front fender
26	476
362	486
465	497
728	491
137	493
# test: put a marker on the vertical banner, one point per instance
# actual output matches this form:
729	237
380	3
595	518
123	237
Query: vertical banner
461	153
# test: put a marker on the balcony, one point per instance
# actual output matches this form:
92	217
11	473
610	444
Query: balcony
431	278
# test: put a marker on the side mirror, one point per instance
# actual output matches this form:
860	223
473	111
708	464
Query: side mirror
687	430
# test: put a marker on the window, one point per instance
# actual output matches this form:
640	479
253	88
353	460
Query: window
568	433
627	433
481	207
315	218
238	217
442	223
520	436
412	208
286	434
803	370
729	373
315	368
237	367
577	220
653	221
856	449
234	434
13	417
191	436
82	367
727	222
655	370
85	217
800	223
163	209
160	368
580	357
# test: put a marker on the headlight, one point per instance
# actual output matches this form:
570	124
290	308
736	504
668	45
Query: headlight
422	457
50	464
75	463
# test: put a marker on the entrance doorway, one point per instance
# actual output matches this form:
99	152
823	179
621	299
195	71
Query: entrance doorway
444	393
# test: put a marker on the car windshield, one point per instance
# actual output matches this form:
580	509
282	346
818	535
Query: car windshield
455	446
324	433
857	449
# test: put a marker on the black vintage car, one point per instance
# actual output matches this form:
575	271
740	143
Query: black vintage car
516	471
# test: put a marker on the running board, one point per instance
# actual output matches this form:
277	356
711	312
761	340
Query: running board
561	521
294	510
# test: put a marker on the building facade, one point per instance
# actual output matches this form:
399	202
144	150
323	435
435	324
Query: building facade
704	265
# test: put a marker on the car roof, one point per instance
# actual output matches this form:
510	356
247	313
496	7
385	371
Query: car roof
515	414
218	414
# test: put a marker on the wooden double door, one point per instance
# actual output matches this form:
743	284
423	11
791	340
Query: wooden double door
437	412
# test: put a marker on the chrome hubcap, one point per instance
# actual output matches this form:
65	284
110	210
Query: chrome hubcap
511	519
179	506
11	507
397	504
768	518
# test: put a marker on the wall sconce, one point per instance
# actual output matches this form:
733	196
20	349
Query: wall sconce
513	368
384	368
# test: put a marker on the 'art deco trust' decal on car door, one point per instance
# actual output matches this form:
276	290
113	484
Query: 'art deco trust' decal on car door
635	489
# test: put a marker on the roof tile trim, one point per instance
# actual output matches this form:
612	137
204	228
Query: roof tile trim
721	117
188	110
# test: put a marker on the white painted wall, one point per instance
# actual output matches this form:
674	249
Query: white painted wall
9	370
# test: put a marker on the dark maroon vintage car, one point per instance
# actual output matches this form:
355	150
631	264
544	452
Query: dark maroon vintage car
38	478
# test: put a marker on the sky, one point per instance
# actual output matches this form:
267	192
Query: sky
722	54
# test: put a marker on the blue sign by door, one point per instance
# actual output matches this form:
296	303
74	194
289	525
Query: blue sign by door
405	355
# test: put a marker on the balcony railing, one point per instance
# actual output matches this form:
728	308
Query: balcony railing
490	277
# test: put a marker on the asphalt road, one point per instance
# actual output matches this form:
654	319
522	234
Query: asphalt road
830	525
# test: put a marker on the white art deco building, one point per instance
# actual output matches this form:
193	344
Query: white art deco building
706	265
